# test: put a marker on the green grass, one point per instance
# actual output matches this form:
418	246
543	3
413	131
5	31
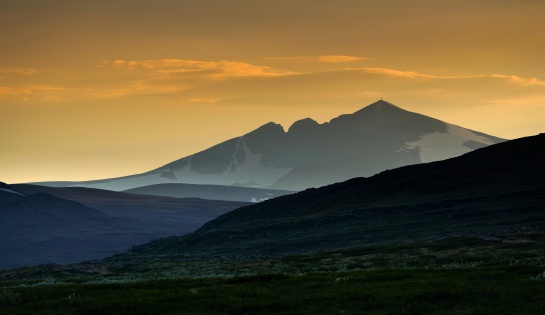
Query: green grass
494	290
505	275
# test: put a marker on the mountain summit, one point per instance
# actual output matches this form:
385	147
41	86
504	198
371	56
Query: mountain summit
378	137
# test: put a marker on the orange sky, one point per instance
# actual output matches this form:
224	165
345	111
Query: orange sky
97	89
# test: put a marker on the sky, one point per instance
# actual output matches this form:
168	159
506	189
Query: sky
99	89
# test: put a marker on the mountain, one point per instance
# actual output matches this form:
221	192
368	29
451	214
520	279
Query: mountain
39	228
492	190
65	225
162	215
7	193
378	137
218	192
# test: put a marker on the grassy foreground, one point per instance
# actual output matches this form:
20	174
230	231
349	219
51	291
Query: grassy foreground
493	290
451	276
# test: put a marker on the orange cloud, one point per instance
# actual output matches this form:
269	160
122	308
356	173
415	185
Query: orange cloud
208	100
324	59
530	100
338	58
16	70
44	92
213	68
194	81
137	88
7	90
414	75
519	80
396	73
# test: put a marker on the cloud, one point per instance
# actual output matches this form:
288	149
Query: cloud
413	74
44	92
396	73
195	81
520	80
528	100
211	68
171	76
7	90
141	87
323	59
207	100
17	70
110	93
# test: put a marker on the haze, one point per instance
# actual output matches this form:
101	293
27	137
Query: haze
97	89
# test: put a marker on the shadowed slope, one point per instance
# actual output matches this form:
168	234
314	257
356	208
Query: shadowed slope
64	225
496	189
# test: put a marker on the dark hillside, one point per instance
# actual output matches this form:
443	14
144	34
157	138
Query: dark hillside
492	190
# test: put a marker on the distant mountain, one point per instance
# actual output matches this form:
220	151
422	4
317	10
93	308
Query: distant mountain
40	228
378	137
218	192
44	207
492	190
64	225
7	193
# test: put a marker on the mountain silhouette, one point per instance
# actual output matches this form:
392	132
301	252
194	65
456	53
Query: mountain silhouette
65	225
378	137
493	190
8	193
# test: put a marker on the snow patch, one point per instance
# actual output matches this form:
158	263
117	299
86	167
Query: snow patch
254	199
251	170
444	145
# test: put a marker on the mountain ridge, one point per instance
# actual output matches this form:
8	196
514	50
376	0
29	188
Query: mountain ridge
377	137
69	224
493	190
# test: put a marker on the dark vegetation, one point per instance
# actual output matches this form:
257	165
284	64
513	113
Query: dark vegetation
451	276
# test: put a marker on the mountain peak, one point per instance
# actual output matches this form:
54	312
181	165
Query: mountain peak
380	112
380	105
308	154
303	124
270	127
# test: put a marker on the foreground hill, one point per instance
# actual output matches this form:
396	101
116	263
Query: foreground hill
378	137
498	189
66	225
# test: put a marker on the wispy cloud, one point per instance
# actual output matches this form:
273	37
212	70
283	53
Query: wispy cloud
323	59
211	68
514	79
195	81
7	90
141	87
527	100
520	80
413	74
24	93
17	70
